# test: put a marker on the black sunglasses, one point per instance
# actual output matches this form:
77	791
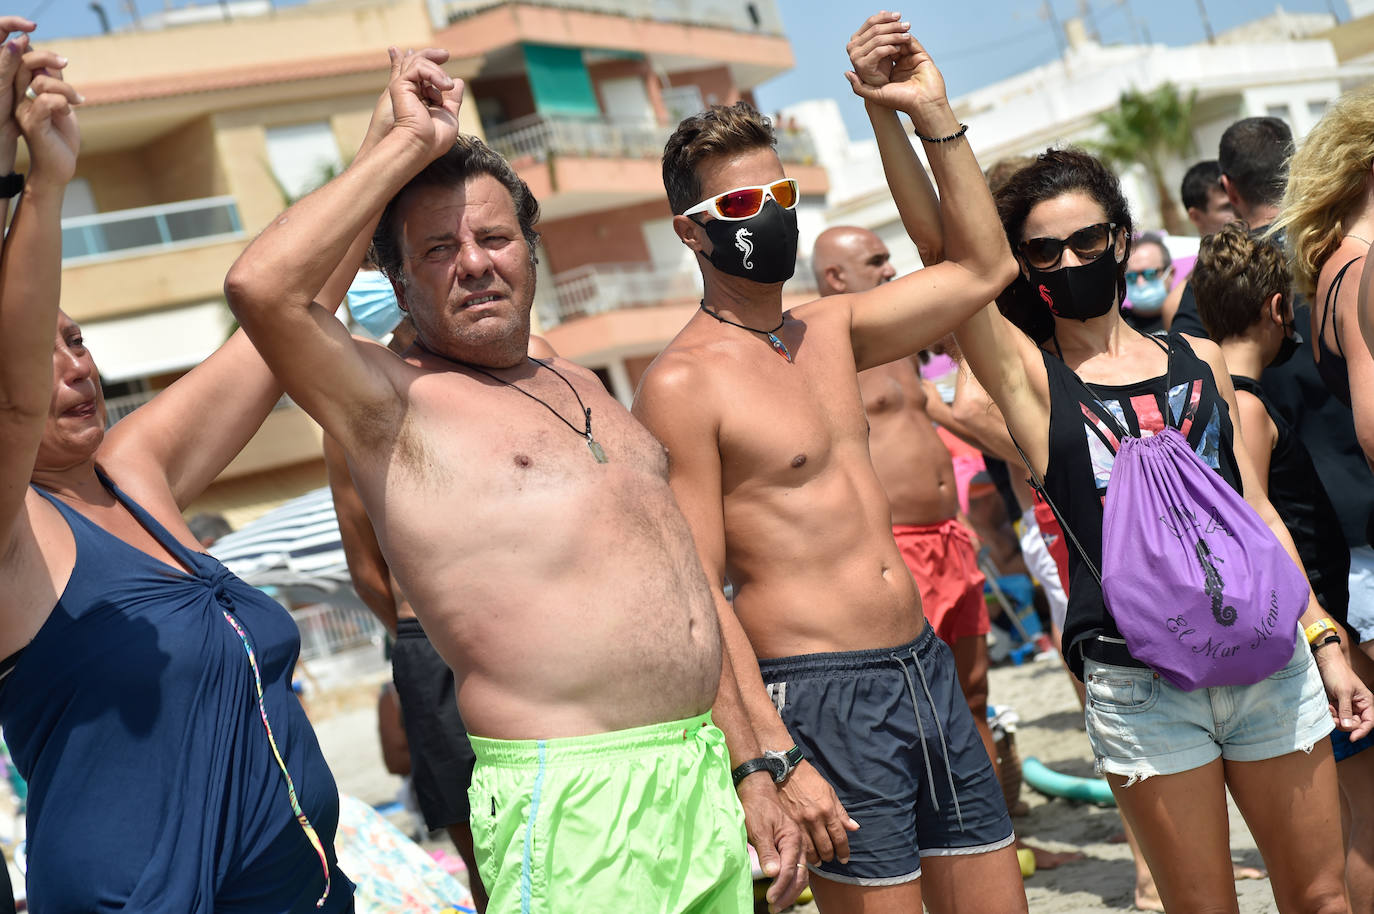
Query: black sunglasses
1088	244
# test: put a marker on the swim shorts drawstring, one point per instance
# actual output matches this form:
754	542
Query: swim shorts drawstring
921	728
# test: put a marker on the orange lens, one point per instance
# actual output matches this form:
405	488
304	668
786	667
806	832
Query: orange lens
740	204
785	192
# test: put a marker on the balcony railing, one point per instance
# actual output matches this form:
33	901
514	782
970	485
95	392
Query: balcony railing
117	408
540	135
149	228
327	629
600	287
759	16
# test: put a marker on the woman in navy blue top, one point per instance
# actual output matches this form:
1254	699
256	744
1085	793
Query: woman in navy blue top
145	694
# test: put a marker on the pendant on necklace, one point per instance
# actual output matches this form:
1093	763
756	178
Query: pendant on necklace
778	346
592	444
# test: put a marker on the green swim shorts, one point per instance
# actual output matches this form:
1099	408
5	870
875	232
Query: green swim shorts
642	820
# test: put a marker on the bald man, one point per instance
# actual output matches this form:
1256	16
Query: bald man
915	468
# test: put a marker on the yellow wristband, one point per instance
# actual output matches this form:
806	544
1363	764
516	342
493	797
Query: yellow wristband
1319	628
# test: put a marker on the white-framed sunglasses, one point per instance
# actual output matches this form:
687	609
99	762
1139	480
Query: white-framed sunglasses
744	202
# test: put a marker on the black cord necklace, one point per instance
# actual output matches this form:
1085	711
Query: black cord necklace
772	335
592	444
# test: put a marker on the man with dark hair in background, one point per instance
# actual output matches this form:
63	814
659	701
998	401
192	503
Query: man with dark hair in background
1208	209
1253	158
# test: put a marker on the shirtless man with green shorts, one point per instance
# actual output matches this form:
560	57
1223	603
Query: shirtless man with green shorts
528	519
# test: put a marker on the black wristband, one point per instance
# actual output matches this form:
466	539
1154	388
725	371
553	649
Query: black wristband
1329	639
963	129
752	766
10	185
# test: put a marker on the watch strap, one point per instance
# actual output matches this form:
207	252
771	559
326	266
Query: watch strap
10	185
752	766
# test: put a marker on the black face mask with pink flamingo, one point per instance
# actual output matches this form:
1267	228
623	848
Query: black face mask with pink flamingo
1078	293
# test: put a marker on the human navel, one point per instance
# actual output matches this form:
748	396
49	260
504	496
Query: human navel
523	461
798	461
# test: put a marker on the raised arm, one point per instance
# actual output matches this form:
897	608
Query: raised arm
273	284
175	443
881	52
11	55
30	276
898	318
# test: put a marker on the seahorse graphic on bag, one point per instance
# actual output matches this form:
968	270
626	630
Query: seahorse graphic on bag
1212	583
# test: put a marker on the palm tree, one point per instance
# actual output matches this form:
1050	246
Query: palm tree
1149	128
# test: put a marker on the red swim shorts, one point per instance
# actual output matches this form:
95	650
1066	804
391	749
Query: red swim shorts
942	560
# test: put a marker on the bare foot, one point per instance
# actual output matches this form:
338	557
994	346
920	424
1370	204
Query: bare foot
1147	896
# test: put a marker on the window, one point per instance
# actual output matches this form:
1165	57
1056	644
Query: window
303	157
1282	112
682	102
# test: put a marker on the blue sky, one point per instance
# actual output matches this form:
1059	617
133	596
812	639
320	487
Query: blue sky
975	42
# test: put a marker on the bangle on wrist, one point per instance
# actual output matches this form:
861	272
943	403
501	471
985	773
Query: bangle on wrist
963	129
1329	639
1317	629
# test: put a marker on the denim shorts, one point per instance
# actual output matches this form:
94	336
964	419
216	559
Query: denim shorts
1140	725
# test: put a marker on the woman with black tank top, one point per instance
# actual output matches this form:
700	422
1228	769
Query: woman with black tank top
1243	292
1327	222
146	691
1168	754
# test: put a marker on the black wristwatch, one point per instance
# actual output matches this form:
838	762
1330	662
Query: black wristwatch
10	185
753	766
782	763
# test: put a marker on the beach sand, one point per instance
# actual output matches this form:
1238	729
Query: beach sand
1051	729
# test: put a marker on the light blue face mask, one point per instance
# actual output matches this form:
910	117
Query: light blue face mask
1148	297
372	302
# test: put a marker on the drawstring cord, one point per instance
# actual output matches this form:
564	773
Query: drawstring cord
301	818
921	728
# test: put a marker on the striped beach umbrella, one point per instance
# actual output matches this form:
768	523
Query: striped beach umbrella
293	547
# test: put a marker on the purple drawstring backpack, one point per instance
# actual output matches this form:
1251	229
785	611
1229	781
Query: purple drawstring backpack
1195	580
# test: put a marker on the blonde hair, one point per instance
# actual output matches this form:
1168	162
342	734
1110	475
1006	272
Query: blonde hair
1327	180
